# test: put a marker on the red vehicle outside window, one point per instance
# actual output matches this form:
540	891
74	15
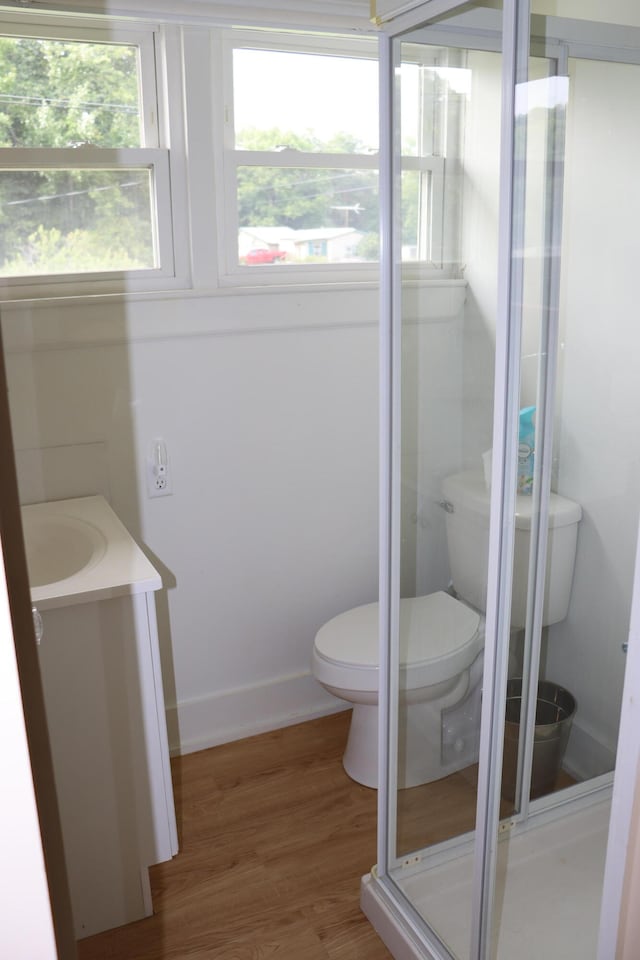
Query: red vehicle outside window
265	256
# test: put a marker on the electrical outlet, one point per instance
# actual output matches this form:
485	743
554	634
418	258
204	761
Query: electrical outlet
158	486
158	470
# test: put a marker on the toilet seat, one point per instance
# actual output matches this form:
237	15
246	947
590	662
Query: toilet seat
439	638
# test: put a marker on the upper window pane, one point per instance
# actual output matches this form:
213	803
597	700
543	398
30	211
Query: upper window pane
310	102
58	93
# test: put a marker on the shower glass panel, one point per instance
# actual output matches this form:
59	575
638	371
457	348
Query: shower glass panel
446	341
555	687
545	524
447	388
575	300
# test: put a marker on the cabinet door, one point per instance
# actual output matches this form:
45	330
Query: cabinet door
100	675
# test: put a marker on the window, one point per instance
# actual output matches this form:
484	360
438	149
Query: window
84	188
301	155
301	161
274	155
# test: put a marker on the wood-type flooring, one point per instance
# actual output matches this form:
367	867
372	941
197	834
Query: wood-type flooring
274	838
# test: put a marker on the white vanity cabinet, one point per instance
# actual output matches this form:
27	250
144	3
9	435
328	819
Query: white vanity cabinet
102	684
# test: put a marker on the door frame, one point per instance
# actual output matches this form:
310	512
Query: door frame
34	872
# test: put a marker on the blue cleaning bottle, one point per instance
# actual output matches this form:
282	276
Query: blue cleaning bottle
526	449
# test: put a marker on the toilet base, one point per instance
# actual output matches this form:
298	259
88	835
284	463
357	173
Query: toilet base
360	759
434	738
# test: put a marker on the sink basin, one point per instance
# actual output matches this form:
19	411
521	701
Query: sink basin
78	551
60	547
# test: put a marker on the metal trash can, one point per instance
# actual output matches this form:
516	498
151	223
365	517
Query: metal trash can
555	708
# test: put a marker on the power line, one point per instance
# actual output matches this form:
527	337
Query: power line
66	104
267	188
73	193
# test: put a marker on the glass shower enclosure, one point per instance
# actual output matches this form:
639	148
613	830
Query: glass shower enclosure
510	483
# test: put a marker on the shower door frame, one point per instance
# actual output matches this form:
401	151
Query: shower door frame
405	930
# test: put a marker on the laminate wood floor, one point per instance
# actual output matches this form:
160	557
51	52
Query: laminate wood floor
274	838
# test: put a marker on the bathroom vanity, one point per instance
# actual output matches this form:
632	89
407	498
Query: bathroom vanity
100	664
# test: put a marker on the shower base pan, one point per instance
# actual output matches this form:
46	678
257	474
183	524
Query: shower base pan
549	883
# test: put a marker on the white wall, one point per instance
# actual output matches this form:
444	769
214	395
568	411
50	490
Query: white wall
268	405
432	365
598	442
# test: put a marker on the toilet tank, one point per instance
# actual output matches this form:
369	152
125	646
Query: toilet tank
467	502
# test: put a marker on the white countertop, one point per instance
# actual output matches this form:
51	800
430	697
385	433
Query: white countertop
84	552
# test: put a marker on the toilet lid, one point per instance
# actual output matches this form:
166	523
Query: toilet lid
431	628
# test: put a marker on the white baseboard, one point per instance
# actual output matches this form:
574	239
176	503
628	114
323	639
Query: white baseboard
235	714
245	711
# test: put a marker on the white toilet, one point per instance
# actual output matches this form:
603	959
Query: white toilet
441	641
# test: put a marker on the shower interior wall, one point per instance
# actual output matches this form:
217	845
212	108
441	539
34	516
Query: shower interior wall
596	450
598	398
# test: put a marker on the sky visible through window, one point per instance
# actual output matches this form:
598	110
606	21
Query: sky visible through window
306	92
326	95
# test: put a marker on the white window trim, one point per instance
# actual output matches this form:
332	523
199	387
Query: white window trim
160	122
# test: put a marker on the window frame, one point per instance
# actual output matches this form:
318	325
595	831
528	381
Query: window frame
429	167
151	155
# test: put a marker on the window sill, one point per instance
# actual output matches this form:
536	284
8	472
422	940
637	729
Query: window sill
69	294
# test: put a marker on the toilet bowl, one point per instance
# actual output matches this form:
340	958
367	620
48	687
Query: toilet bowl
440	640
